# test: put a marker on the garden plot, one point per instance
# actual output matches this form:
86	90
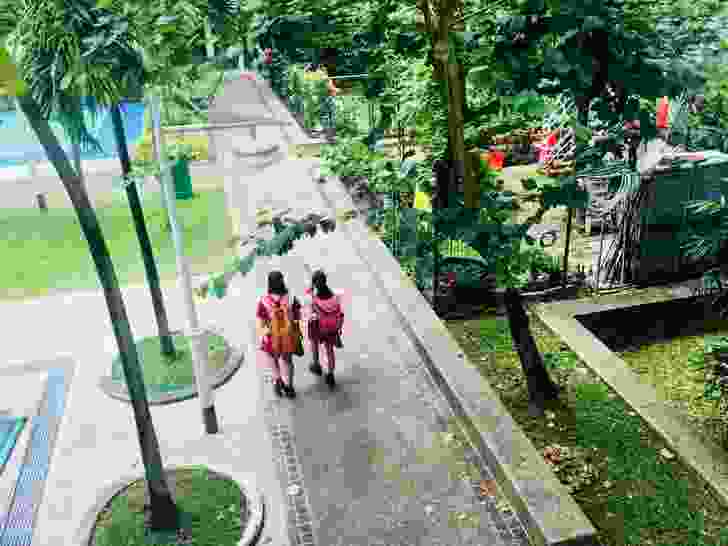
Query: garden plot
633	489
677	369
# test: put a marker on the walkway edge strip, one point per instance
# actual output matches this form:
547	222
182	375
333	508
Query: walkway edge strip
545	507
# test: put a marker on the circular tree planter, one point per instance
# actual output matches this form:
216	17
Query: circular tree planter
116	388
252	507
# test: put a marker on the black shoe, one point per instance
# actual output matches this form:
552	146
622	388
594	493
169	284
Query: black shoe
290	391
330	380
278	387
316	369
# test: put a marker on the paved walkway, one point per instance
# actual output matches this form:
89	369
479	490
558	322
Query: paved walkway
367	459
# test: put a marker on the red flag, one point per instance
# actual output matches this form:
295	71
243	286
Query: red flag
663	109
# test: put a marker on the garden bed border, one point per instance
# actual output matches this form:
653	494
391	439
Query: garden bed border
234	358
562	318
543	504
250	532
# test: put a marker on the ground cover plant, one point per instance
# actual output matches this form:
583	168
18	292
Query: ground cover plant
53	243
683	373
161	372
212	505
628	484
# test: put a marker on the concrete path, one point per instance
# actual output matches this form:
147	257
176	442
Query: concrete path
369	456
367	460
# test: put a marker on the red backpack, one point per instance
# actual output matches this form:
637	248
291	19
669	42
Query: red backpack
331	321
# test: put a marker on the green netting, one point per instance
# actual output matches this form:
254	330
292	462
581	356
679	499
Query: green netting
689	181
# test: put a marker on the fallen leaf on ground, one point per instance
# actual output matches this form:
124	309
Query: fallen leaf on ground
488	488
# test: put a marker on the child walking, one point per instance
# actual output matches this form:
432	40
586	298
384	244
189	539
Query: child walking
325	320
278	321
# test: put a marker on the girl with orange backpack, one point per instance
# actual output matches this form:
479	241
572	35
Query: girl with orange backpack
279	327
325	320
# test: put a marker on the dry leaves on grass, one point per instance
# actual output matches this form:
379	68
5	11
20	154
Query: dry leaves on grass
488	488
571	466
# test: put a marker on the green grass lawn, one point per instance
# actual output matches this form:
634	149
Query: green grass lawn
212	506
43	253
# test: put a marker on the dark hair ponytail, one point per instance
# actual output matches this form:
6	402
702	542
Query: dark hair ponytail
276	285
322	289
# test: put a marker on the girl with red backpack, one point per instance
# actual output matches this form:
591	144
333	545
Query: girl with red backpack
325	320
279	327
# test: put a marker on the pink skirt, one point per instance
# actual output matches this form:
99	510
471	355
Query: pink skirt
317	337
266	345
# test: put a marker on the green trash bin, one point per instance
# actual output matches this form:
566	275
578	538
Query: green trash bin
182	179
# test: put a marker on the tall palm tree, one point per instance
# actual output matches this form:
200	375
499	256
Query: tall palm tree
71	52
17	21
164	511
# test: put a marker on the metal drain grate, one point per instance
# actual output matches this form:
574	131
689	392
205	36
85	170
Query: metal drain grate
300	518
17	537
17	529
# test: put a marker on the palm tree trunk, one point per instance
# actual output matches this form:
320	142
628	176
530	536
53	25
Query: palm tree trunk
164	511
76	150
540	385
165	337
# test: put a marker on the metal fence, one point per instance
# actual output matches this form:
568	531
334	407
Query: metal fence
393	236
458	249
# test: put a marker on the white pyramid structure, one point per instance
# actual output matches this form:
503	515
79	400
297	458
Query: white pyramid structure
251	99
255	132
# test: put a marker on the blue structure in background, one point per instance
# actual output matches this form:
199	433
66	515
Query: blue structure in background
18	144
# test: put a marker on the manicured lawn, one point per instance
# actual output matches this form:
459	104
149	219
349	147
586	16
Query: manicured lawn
43	253
213	505
633	490
158	371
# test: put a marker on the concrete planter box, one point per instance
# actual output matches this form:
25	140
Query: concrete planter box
594	331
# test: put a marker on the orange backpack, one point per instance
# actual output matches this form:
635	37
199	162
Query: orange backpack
283	335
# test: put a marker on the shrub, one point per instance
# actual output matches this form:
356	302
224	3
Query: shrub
196	145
